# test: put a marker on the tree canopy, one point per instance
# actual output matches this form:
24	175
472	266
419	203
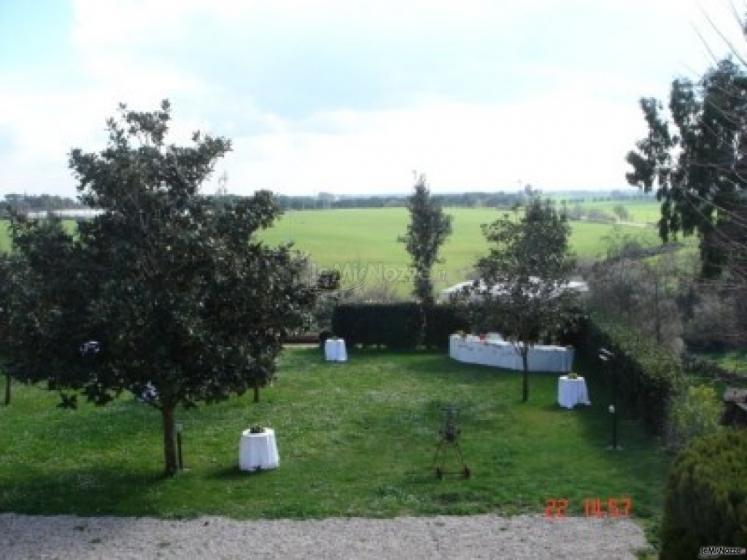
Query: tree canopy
164	294
521	291
695	160
429	227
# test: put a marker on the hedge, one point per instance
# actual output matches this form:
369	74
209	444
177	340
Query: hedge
442	321
395	325
647	376
706	502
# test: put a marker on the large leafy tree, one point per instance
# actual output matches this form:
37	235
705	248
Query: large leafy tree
694	157
695	160
164	294
522	287
429	227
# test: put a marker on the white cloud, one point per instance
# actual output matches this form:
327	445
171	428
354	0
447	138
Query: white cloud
352	96
567	139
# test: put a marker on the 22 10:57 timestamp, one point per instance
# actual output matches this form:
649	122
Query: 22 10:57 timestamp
593	507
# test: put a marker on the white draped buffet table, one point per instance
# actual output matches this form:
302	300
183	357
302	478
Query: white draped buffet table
335	351
258	451
494	351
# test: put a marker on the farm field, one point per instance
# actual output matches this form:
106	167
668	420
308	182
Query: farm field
362	243
641	211
355	439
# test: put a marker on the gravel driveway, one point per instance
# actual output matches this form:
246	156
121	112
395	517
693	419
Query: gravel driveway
413	538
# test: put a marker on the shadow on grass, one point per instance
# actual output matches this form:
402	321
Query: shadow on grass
641	455
83	492
234	473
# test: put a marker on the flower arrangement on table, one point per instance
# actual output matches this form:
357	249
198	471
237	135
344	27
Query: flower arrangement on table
256	430
573	375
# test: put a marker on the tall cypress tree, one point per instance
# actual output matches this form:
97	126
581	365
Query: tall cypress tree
428	229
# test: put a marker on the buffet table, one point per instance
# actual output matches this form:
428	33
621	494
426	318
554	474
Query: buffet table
494	351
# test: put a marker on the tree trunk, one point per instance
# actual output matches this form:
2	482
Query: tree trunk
525	375
256	393
657	311
7	389
169	440
423	327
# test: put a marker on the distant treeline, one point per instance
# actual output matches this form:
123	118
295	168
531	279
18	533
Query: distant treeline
327	200
47	202
37	203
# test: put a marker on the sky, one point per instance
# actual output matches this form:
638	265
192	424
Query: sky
352	97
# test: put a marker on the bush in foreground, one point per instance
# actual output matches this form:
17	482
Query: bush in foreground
706	503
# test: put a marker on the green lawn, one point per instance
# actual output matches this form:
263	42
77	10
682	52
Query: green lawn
354	439
734	360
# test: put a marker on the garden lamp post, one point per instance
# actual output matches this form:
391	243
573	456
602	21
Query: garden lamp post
179	429
607	357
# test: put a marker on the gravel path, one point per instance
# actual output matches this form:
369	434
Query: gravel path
413	538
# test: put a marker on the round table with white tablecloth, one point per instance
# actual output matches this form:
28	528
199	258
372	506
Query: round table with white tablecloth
258	451
572	392
335	351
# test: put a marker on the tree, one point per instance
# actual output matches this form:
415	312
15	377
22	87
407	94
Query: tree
695	159
164	294
5	277
428	229
698	170
521	292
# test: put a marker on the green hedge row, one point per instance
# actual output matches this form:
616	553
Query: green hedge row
706	502
395	325
647	376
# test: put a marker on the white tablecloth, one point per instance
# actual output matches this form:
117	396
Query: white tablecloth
335	351
572	392
494	351
258	451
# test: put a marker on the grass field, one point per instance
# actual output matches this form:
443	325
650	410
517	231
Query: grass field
734	360
362	243
641	211
354	439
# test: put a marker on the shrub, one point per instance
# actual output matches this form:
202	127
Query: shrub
693	413
648	376
713	320
706	502
394	325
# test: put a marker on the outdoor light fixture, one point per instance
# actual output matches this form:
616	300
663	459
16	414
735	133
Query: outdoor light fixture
90	348
179	428
607	357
